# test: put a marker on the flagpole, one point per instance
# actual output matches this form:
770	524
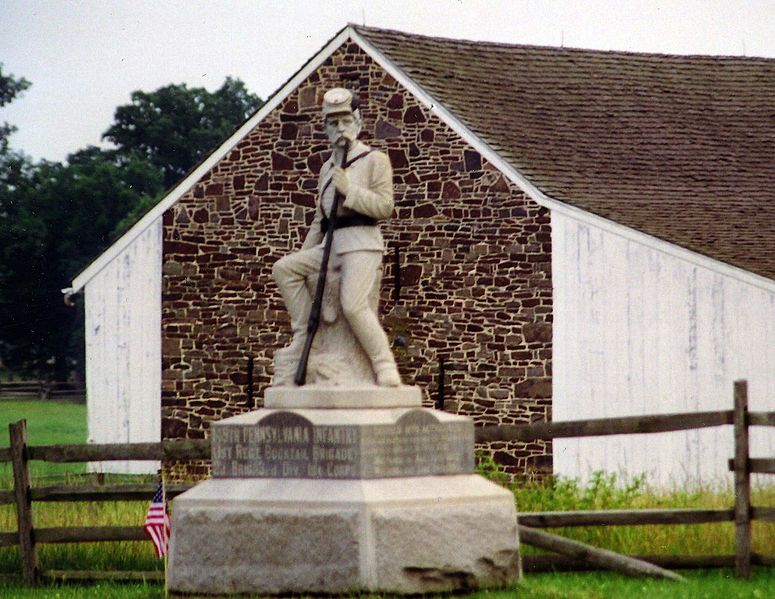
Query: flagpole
166	553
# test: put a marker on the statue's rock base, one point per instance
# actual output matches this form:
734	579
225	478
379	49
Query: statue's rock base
311	500
405	535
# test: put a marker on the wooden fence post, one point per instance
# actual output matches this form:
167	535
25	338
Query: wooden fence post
743	540
442	387
250	402
21	487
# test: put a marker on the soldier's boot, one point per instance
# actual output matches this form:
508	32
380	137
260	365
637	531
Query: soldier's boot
369	333
387	375
382	361
293	349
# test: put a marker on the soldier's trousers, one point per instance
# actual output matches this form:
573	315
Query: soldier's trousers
359	271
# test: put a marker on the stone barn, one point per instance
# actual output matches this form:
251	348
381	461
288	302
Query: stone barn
577	234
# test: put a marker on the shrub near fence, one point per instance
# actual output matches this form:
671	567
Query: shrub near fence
27	536
742	513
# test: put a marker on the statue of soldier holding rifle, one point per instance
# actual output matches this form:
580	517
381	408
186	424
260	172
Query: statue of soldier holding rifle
359	182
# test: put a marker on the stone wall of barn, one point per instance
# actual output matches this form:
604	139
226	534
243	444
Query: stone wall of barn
474	256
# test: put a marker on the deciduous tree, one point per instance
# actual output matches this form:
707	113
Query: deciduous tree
176	126
55	218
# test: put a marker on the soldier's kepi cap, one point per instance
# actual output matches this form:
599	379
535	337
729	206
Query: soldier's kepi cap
340	100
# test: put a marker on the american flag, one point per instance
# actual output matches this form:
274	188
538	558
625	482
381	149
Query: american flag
157	523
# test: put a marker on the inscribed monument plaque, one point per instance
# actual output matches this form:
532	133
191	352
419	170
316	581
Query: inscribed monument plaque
402	442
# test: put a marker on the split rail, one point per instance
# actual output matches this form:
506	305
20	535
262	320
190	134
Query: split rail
27	536
42	390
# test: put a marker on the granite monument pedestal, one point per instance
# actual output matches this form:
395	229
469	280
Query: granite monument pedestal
343	499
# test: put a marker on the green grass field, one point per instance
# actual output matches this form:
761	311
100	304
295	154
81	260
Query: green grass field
711	584
48	423
58	423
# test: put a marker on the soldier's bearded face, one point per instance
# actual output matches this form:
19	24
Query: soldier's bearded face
342	126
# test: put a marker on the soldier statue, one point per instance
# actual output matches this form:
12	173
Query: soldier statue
363	180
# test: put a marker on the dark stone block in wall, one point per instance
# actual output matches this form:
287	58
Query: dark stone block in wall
396	101
173	429
450	191
308	97
537	331
294	118
280	162
289	131
535	389
385	130
540	463
262	184
473	160
410	275
424	211
398	158
504	458
315	163
239	378
180	247
414	114
500	185
303	199
253	207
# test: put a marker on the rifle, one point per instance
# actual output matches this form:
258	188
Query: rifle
317	303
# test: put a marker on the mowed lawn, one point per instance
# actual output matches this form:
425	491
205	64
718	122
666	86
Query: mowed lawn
48	423
711	584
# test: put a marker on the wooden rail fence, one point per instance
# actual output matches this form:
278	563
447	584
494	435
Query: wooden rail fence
42	390
742	513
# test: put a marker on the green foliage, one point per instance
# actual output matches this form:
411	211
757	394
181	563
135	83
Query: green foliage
53	219
608	492
57	217
602	492
10	88
174	127
490	469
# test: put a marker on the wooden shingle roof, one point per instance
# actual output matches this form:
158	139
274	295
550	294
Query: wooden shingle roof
678	147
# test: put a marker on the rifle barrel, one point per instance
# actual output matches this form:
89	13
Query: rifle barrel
314	317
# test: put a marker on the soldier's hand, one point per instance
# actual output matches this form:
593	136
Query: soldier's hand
341	180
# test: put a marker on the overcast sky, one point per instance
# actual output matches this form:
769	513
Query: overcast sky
84	58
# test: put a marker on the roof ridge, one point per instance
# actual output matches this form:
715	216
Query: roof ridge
365	30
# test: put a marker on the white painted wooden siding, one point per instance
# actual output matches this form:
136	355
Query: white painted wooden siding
638	331
123	349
